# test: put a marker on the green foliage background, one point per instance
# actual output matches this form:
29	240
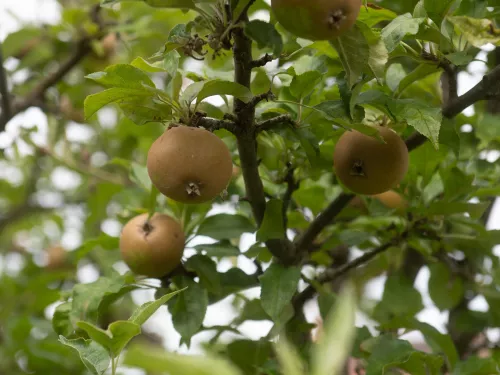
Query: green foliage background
397	66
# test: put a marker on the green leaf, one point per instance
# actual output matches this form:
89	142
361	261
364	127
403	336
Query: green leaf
146	310
265	35
421	116
104	241
477	32
158	361
379	55
90	299
220	87
457	184
420	72
169	64
206	269
354	53
97	334
289	358
445	289
60	321
437	9
401	26
249	355
272	226
304	83
440	343
122	331
220	249
253	310
95	102
233	281
335	344
445	208
225	226
477	366
117	336
400	298
123	76
93	355
278	287
139	174
186	4
188	308
389	353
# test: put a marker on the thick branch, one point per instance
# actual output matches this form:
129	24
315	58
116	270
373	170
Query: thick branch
4	91
247	144
487	88
321	221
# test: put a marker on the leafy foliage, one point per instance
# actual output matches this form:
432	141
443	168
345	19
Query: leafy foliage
109	79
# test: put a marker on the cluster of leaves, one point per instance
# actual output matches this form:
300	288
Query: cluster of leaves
387	69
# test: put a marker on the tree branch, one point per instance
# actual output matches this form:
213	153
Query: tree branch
486	89
215	124
332	274
305	240
4	91
275	121
36	95
259	98
292	185
247	143
262	61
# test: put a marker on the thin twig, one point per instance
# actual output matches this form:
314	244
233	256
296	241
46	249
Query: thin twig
275	121
332	274
244	13
292	185
268	95
215	124
4	91
36	95
262	61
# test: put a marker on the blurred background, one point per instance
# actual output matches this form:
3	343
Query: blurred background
65	231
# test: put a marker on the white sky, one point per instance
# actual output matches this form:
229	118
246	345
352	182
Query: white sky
11	12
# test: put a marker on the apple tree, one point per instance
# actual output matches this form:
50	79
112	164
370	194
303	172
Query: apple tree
323	171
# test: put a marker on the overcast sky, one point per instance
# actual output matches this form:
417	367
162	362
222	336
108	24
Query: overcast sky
13	14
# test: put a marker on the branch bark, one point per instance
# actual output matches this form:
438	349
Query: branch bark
247	143
275	121
331	275
4	90
36	95
487	88
305	240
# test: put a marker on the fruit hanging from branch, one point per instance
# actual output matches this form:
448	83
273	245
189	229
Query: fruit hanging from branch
152	247
316	19
367	165
189	165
